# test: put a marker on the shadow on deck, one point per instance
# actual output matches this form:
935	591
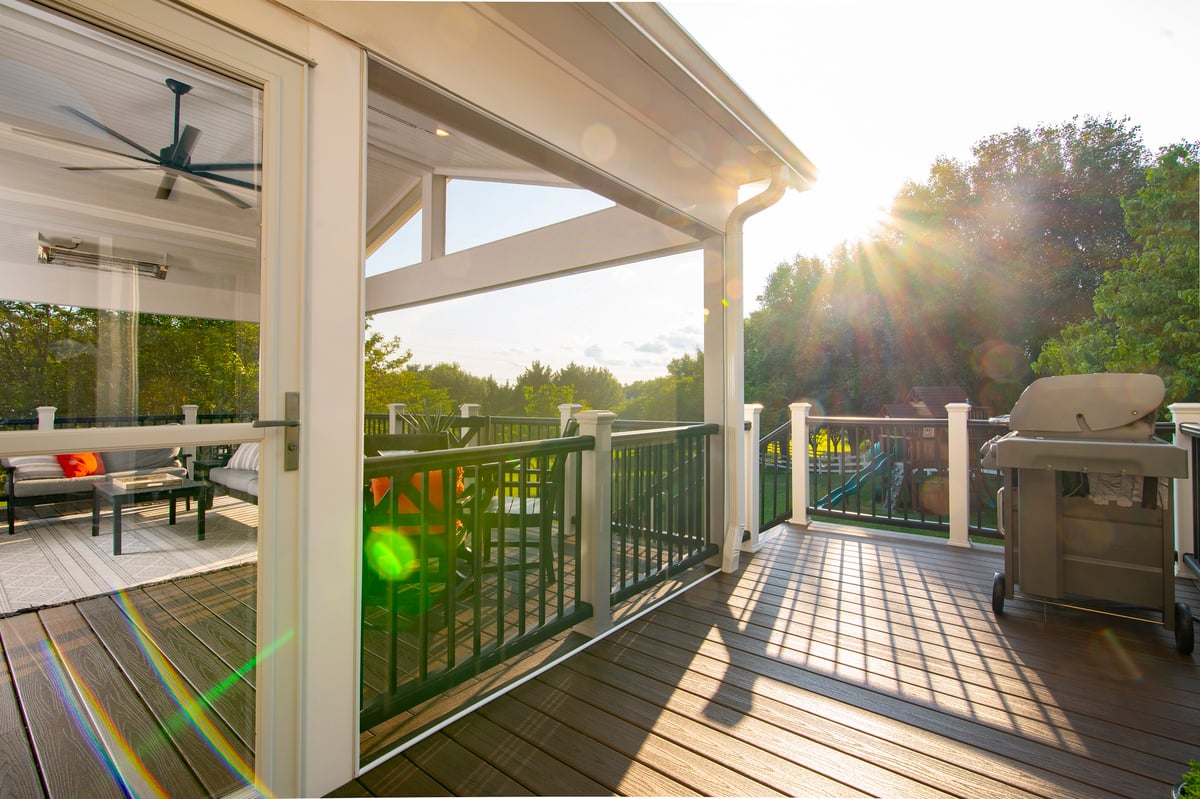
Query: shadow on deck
833	663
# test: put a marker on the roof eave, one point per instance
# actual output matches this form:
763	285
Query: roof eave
710	85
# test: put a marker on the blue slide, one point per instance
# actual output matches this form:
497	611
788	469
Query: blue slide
878	466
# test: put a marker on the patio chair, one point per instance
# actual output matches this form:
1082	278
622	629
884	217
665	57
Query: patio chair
535	516
413	531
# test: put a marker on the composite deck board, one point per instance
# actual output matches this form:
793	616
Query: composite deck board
204	669
206	742
70	756
776	755
594	753
521	760
208	626
19	776
832	663
759	701
876	650
124	724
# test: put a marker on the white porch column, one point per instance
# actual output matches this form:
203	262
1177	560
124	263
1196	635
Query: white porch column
800	411
1183	496
45	415
960	475
750	438
595	521
723	455
395	411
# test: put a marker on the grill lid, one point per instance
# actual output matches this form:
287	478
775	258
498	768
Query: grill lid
1108	406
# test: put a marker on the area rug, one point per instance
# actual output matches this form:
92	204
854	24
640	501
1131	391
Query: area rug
53	558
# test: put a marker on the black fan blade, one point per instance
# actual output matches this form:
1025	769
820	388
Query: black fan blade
110	168
231	167
164	187
201	181
109	131
244	184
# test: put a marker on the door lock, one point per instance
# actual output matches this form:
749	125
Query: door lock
291	432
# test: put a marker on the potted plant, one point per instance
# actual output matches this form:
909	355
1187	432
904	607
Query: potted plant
1189	787
435	421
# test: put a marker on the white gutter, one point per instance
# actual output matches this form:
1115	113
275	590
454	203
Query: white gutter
734	367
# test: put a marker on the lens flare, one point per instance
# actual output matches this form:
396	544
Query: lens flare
390	555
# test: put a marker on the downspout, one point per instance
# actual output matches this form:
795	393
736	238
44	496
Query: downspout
735	379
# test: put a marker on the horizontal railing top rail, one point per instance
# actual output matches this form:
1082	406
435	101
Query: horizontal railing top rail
878	421
383	465
127	420
655	435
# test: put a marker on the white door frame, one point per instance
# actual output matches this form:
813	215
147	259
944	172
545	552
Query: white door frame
302	746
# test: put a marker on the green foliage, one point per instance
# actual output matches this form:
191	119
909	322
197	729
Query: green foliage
1191	781
981	264
593	387
78	360
543	399
679	396
1147	313
385	380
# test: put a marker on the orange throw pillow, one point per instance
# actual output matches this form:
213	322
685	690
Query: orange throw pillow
80	464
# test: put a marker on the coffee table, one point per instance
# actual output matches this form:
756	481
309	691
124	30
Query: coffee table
118	497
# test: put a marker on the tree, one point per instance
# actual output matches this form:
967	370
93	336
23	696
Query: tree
983	262
679	396
385	380
593	387
1147	314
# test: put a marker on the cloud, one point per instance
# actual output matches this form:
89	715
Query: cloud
594	352
655	347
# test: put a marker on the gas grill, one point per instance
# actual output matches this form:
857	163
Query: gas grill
1085	507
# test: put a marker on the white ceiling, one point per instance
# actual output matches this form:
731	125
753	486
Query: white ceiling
49	64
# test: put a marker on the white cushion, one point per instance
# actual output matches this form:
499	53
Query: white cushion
33	467
246	458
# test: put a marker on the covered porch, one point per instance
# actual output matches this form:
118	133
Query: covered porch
834	662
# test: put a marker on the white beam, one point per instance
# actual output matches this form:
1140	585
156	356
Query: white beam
433	220
610	237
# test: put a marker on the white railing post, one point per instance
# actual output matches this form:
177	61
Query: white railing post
395	411
595	521
751	505
1182	499
46	417
799	454
566	412
189	417
959	481
469	410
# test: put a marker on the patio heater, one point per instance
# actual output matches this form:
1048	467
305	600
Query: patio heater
1084	508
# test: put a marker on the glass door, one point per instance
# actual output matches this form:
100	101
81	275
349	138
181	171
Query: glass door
148	316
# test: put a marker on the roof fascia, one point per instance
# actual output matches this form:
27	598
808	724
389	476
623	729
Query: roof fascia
648	30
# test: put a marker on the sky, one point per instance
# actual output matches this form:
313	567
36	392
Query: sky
872	92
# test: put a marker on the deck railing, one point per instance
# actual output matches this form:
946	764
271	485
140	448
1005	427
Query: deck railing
903	473
470	564
495	548
660	520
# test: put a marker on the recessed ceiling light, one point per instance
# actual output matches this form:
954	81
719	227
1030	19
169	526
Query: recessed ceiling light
441	132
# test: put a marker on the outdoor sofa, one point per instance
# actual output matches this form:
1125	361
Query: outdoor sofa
45	479
239	476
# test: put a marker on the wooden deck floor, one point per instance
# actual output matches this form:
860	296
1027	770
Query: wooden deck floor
836	665
832	664
131	693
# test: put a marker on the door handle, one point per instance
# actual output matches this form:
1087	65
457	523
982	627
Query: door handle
291	432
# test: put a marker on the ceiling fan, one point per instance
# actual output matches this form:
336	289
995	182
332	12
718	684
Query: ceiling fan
175	160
